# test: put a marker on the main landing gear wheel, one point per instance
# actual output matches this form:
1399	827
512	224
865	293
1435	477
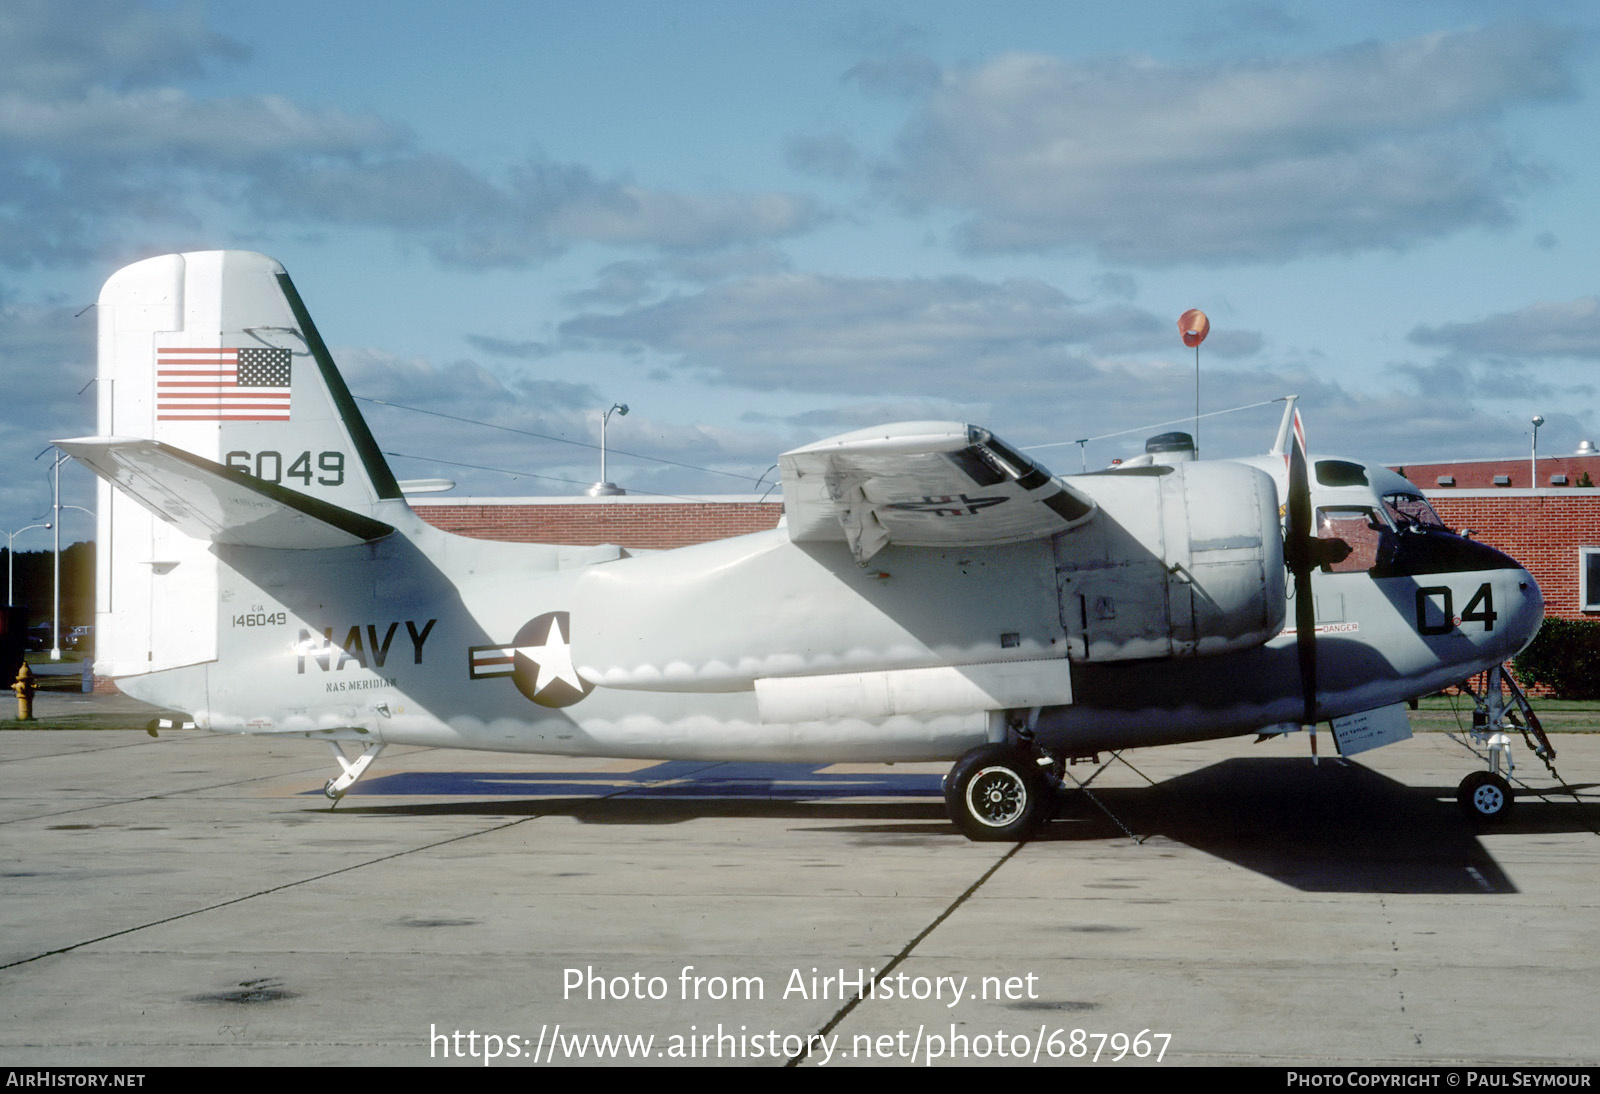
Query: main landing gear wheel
1485	796
996	793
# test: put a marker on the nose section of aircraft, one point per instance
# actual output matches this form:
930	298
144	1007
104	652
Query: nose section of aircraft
1518	601
1507	624
1527	610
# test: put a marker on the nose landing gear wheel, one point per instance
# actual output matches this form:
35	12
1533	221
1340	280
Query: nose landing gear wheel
1484	796
995	793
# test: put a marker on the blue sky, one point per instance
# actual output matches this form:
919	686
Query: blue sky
761	224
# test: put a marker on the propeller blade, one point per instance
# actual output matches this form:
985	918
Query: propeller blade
1305	642
1299	553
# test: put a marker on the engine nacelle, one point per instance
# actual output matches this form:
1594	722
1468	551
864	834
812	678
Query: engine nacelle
1182	560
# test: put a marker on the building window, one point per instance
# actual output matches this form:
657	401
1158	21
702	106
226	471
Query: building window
1589	578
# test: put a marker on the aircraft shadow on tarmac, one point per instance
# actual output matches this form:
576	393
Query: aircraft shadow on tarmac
1331	828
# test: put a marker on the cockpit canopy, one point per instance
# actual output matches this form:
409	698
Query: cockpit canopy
1411	511
1388	526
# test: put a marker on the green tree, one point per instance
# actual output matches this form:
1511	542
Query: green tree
1564	657
33	577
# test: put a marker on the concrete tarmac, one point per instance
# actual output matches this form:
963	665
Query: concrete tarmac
192	900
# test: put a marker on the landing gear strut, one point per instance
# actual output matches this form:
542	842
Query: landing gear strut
1487	795
353	769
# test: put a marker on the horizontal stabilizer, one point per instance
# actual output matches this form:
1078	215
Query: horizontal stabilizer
208	501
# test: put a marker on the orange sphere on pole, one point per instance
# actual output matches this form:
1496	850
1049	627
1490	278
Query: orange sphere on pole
1195	326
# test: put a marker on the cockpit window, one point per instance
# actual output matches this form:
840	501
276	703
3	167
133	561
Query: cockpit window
1340	473
1411	511
1361	531
1386	542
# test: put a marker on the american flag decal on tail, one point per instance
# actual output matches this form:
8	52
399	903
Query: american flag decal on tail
222	385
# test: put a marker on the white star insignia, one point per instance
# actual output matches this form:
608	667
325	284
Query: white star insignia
554	658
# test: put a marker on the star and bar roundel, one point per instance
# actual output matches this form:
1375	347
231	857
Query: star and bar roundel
538	660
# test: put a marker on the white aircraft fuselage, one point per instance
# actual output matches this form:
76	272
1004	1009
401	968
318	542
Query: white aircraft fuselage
658	654
931	594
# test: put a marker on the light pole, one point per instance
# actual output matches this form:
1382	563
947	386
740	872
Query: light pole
11	556
55	524
80	509
1533	461
605	487
55	505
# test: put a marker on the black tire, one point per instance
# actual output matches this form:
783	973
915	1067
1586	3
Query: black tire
996	793
1485	796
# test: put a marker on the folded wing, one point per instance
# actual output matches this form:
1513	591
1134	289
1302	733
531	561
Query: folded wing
923	484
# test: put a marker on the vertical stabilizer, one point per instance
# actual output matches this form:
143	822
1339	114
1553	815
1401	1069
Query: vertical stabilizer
212	353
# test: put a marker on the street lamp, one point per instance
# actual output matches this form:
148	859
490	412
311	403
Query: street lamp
11	555
56	507
1533	462
606	488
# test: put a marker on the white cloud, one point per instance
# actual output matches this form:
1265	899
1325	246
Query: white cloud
957	336
171	125
379	374
902	74
1376	145
1568	328
97	142
627	214
467	218
53	47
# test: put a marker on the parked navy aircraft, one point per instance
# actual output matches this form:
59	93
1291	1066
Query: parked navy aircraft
933	594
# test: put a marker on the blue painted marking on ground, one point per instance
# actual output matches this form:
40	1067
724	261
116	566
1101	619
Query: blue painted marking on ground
682	779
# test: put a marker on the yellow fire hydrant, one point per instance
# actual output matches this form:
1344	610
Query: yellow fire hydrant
24	687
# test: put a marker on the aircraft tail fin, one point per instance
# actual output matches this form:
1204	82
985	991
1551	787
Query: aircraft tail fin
222	419
214	353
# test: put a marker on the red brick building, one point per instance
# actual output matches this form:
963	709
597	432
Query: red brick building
626	520
1508	473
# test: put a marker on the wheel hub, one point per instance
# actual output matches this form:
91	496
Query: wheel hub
998	796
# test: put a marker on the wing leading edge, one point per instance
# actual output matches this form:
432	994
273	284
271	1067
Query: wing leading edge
923	484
